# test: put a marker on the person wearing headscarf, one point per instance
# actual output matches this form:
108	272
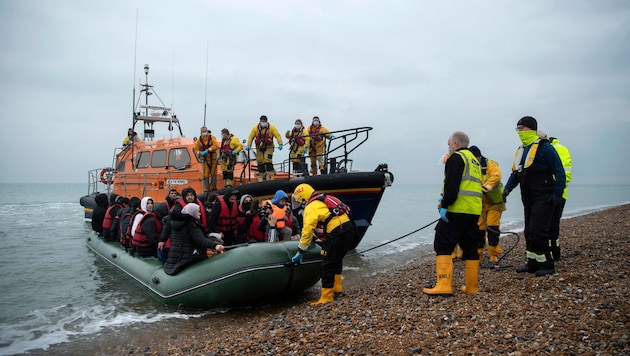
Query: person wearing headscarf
146	228
188	241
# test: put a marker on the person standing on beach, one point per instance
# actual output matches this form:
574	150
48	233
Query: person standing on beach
492	206
538	170
565	158
329	219
459	207
264	133
206	148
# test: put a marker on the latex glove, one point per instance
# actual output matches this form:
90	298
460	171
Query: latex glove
332	136
555	200
246	148
233	153
440	198
443	214
203	153
297	259
288	132
304	150
280	147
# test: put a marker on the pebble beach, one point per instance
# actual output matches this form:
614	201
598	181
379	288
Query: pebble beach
583	309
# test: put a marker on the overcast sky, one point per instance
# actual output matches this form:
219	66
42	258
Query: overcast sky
414	70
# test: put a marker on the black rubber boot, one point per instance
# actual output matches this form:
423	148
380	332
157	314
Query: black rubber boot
530	267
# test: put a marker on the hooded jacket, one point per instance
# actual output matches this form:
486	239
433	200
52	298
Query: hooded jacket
188	244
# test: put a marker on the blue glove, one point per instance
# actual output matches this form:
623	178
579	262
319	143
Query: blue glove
203	153
440	199
246	148
443	214
304	150
288	132
297	259
280	147
332	136
233	153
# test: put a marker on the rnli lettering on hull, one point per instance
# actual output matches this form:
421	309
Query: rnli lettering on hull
177	181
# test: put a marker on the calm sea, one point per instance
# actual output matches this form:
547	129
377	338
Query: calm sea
55	290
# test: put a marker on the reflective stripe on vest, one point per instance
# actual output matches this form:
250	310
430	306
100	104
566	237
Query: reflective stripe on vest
469	195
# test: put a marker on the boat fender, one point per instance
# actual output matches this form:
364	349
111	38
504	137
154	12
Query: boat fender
114	255
155	280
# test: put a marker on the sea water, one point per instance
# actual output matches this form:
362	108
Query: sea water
55	290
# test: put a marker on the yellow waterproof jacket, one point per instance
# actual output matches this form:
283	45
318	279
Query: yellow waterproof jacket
234	145
491	182
271	130
203	143
297	137
318	135
317	212
565	158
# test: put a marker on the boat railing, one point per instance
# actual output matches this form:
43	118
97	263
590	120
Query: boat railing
336	153
100	175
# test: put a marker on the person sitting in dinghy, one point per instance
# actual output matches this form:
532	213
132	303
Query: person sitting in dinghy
188	241
146	229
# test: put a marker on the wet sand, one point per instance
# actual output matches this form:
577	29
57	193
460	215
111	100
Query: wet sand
583	309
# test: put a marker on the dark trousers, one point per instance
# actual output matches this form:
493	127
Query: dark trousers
538	213
554	229
461	229
334	248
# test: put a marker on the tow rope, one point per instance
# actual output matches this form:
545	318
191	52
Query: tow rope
396	239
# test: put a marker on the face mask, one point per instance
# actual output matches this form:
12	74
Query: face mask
204	134
528	137
247	205
315	122
297	127
263	124
225	137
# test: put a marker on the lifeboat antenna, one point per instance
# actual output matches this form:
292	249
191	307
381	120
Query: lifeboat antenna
205	104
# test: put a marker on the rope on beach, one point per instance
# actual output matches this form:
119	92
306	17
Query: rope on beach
396	239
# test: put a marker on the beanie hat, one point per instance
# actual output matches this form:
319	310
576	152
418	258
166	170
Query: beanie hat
528	121
475	151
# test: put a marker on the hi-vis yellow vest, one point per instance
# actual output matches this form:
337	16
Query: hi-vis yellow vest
469	196
565	158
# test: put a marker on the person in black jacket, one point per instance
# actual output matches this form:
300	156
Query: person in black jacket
98	213
188	242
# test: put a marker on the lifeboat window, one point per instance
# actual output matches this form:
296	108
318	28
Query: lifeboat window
158	160
121	166
178	158
143	159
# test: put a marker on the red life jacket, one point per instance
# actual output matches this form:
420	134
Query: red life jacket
253	233
109	218
226	146
263	137
228	218
203	219
139	237
336	208
206	146
296	138
313	131
125	236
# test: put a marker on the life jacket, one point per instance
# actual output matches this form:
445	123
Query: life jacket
263	138
226	145
313	131
228	218
296	138
110	216
278	212
139	237
519	164
206	146
336	208
253	233
469	195
496	194
203	219
125	228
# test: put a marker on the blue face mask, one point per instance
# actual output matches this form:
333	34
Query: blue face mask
263	124
297	127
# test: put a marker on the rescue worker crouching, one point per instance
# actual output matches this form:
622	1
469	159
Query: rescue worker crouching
333	218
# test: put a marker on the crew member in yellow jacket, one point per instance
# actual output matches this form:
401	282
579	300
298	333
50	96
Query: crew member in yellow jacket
298	141
330	220
263	134
565	158
492	206
318	135
228	150
206	148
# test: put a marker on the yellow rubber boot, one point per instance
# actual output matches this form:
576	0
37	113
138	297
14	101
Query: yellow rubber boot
337	288
457	252
327	296
472	277
494	252
444	273
480	252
